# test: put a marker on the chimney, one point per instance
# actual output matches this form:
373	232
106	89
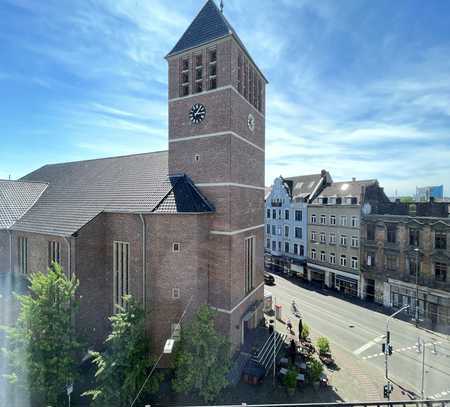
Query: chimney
353	179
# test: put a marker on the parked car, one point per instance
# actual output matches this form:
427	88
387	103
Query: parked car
269	279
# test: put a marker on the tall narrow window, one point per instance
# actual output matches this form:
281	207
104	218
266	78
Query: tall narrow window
414	237
440	240
391	233
239	84
440	271
370	231
121	262
245	80
23	255
184	88
54	252
249	246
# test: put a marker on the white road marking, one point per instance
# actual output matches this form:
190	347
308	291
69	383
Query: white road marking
439	395
368	345
398	350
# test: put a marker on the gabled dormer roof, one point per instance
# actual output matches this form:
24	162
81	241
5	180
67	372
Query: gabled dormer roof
209	25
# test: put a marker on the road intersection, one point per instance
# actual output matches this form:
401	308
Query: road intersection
357	333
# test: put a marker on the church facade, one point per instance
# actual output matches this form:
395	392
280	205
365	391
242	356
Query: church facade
177	228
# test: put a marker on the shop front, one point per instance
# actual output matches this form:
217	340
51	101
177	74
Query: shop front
346	285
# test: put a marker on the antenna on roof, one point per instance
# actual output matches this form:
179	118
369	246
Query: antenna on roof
221	6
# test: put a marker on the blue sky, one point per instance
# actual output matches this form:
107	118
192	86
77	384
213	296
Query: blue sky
359	87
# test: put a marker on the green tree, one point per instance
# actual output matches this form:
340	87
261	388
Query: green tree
202	358
315	370
122	368
42	347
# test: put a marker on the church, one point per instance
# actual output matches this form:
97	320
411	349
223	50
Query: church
171	228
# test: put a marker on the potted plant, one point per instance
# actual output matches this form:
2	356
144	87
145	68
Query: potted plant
323	345
315	372
290	380
305	332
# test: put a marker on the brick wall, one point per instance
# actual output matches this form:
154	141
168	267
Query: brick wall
187	270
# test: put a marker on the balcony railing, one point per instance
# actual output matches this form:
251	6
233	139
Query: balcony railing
406	403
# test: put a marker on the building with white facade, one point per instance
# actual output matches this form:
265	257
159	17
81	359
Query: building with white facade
286	237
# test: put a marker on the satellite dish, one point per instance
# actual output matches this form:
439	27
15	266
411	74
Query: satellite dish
366	209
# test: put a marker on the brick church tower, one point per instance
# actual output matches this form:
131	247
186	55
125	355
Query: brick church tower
217	138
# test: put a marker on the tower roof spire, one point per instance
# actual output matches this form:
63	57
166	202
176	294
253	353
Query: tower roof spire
221	6
209	25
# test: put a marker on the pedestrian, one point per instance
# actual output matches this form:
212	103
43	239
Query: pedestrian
300	329
289	325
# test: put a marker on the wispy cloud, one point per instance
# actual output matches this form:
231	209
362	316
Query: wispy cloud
354	88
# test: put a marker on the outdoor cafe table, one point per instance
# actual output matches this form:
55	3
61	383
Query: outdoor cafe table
301	378
301	365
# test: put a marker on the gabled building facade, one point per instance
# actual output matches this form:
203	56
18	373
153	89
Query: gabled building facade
174	229
406	259
286	221
334	218
16	198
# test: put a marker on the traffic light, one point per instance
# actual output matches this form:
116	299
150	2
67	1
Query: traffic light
388	337
390	350
383	347
387	390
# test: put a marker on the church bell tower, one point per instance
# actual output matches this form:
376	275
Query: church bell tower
217	138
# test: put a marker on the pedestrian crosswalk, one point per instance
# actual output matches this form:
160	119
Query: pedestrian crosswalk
405	349
440	395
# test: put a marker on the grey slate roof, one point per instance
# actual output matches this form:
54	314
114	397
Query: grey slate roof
209	25
16	198
304	185
79	191
346	189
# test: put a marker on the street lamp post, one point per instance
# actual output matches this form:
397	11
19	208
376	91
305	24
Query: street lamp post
388	348
416	250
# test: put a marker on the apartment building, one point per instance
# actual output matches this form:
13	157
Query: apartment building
406	259
334	217
286	207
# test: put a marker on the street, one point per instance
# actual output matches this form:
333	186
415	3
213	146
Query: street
356	335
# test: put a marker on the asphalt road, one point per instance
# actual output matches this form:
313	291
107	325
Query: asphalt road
359	332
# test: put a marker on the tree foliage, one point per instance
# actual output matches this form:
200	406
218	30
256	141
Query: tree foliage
323	344
42	347
122	368
315	370
202	358
305	331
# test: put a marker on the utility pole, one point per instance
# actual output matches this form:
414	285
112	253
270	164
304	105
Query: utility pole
416	250
423	371
387	350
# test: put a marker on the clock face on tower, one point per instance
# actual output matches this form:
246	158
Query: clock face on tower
197	113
